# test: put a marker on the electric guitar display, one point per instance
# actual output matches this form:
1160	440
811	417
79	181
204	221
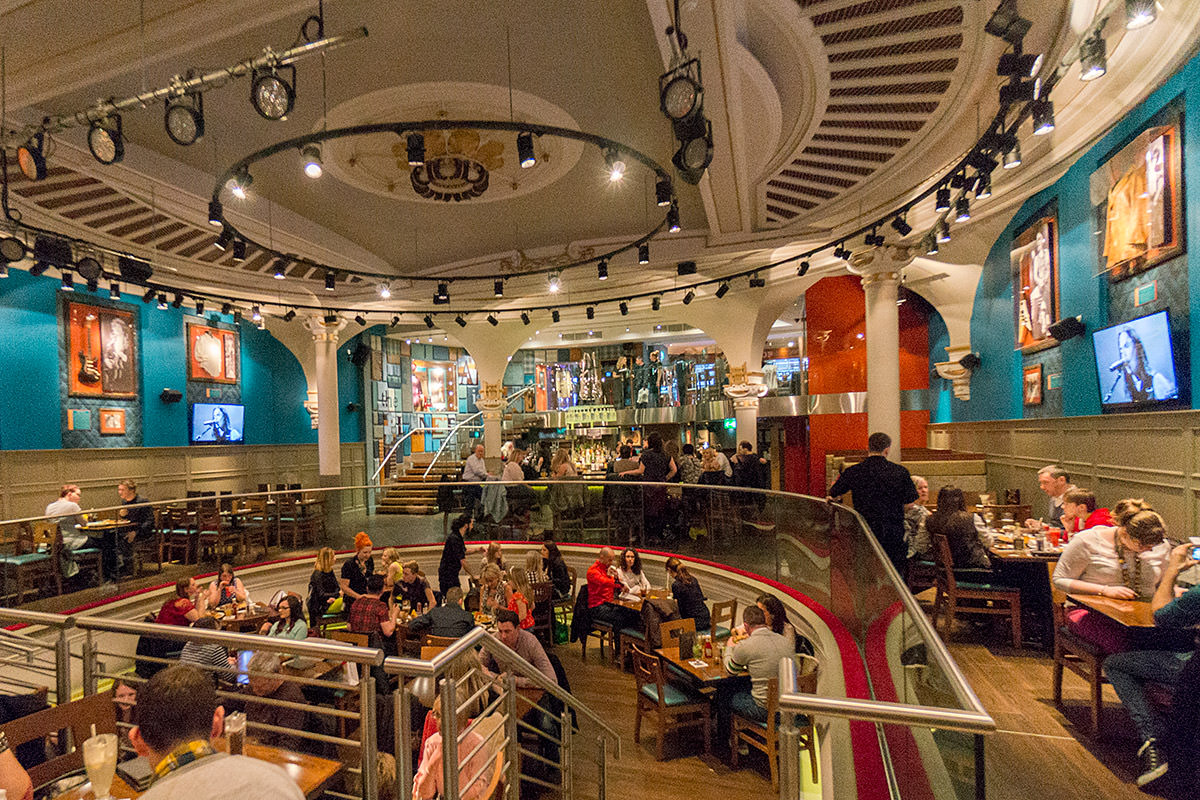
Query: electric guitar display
89	367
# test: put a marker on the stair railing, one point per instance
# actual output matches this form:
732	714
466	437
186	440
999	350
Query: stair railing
452	434
396	446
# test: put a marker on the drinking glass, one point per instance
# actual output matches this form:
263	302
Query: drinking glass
100	761
235	732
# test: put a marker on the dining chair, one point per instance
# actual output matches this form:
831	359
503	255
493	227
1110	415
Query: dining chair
22	561
596	628
673	708
999	599
1083	657
429	640
48	535
764	735
724	614
357	639
150	548
669	631
178	534
214	536
543	613
254	523
77	717
563	606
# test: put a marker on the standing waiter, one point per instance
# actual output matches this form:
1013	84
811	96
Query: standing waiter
881	490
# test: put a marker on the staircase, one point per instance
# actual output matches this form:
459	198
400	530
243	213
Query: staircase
412	493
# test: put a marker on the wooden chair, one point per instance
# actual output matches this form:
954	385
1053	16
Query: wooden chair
724	615
671	707
669	631
429	640
214	536
763	735
598	629
178	534
543	613
150	549
1083	657
48	535
428	651
25	564
565	604
358	639
77	717
1000	600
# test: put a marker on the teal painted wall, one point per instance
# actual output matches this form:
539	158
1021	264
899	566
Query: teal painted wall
29	404
351	424
996	385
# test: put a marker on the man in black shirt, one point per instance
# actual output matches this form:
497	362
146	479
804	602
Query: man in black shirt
881	489
447	620
454	554
141	517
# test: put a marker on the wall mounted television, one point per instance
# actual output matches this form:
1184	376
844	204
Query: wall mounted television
218	423
1135	361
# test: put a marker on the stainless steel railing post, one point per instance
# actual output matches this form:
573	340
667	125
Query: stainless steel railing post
565	753
89	665
449	737
512	775
366	736
62	668
403	739
789	757
602	765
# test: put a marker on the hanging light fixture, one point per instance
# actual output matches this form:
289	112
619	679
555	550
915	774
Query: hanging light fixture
554	315
591	312
498	287
313	165
757	281
525	154
962	209
162	301
222	242
385	290
662	192
442	295
330	280
942	202
931	245
491	318
722	290
106	140
289	315
689	297
215	213
1012	156
1139	13
673	217
655	303
616	167
805	266
114	291
255	314
148	295
428	321
554	283
983	186
31	157
240	183
415	145
623	307
901	226
278	269
1092	58
361	320
200	308
272	96
462	323
943	231
68	282
239	251
525	317
183	118
1043	117
602	270
644	253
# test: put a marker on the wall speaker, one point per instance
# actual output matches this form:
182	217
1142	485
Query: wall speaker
55	252
970	361
134	270
360	355
1067	328
170	395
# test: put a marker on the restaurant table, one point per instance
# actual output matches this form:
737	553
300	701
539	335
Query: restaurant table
635	604
106	531
1005	553
310	772
249	619
712	672
1130	613
313	670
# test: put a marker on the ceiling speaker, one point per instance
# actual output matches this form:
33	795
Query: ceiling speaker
134	270
1067	328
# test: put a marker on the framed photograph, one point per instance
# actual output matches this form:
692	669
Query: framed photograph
1136	194
112	421
102	347
1034	261
1032	392
212	354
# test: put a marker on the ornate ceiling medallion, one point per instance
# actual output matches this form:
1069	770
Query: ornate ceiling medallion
457	166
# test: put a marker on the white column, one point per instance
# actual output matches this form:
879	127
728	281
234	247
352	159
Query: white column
880	269
745	388
491	403
745	412
325	343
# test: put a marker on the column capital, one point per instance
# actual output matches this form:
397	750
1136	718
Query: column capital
953	371
879	264
744	385
323	331
491	397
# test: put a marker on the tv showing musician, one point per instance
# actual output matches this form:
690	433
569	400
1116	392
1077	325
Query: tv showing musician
1136	380
216	423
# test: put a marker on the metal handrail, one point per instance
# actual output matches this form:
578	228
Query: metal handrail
37	617
453	431
400	441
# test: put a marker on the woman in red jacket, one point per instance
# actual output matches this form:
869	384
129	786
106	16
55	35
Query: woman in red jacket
1080	512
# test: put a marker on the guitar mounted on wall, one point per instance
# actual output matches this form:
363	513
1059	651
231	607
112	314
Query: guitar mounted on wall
89	367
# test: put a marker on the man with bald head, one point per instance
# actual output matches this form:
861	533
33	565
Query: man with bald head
602	586
474	471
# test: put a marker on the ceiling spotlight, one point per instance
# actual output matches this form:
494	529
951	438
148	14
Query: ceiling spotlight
943	232
385	290
689	297
442	295
395	321
226	308
331	318
68	282
554	283
803	270
1043	117
983	186
655	303
1092	58
757	281
162	302
1019	65
239	184
415	144
616	167
237	316
591	312
11	249
602	270
942	203
271	95
106	143
722	290
1006	23
289	315
255	314
901	226
680	92
695	154
330	278
673	217
277	271
554	315
491	318
1139	13
114	291
239	251
623	307
148	296
313	165
199	307
498	288
428	321
361	320
222	242
525	317
662	192
931	245
644	253
462	323
957	180
1012	156
89	269
31	157
178	301
184	118
525	156
962	209
215	213
1018	91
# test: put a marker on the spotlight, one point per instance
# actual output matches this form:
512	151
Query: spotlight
662	192
554	283
591	312
239	251
689	297
222	242
114	291
655	303
361	320
162	302
804	268
11	249
215	213
1006	23
901	226
602	270
415	144
237	316
68	282
757	281
272	96
1043	117
943	232
1139	14
644	253
330	278
694	155
524	317
962	209
1018	91
462	323
31	157
1092	58
178	301
226	308
685	268
983	186
148	296
331	318
200	307
491	318
184	119
554	315
673	217
931	245
722	290
279	267
255	314
240	183
1012	156
385	291
428	321
38	268
395	321
680	93
525	155
498	288
90	270
1019	65
942	203
442	295
957	180
313	166
623	307
616	167
106	143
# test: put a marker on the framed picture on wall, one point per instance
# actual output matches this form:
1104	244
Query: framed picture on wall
1032	391
112	421
102	351
1136	195
212	354
1034	261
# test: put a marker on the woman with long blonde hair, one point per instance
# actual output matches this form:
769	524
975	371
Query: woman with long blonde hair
323	586
520	596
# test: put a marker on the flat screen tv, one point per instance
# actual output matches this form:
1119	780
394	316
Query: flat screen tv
1136	364
217	423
